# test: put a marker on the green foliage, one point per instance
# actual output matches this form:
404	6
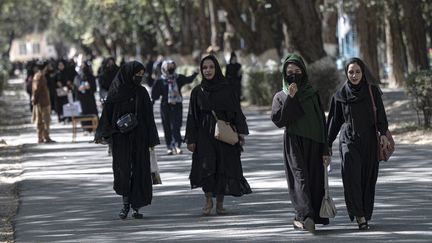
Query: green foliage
19	17
261	85
324	77
419	87
4	67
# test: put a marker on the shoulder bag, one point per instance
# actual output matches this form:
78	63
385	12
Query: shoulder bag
129	121
384	153
224	132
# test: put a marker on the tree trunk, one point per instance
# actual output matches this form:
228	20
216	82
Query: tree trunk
367	32
186	15
414	28
11	37
171	40
394	44
214	23
203	26
305	35
231	40
157	25
330	20
256	41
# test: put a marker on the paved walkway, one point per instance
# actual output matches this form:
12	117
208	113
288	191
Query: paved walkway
66	196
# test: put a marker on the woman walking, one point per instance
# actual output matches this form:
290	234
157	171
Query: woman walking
352	114
130	149
216	165
298	109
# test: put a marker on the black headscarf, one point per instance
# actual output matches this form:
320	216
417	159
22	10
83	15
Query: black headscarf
123	87
351	93
218	81
219	94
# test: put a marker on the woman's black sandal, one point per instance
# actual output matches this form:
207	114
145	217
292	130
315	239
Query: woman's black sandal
124	211
136	214
362	223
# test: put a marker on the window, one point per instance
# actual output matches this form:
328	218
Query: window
36	48
22	49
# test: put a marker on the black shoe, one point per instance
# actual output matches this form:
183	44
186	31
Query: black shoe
124	211
136	214
362	223
49	140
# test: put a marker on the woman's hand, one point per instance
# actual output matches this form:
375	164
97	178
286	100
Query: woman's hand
191	147
326	160
384	142
241	139
292	89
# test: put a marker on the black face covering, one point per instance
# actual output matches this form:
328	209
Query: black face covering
137	79
171	70
295	78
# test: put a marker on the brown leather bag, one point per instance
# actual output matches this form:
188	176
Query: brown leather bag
384	153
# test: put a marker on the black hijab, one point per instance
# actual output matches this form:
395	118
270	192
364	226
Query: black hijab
218	81
217	91
123	87
351	93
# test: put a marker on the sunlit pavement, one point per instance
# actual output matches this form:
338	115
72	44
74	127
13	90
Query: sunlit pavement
66	196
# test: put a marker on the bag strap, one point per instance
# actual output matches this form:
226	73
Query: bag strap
375	117
214	115
373	105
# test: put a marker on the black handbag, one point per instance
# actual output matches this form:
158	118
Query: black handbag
129	121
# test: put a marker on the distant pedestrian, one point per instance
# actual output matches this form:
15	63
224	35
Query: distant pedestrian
65	77
216	165
233	74
171	108
352	114
130	149
298	109
41	104
86	87
106	76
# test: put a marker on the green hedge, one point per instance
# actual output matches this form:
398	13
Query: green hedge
419	87
261	84
3	77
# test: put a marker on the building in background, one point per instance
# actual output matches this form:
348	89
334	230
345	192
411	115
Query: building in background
31	46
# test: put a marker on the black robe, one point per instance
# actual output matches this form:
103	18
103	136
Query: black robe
303	160
216	166
234	77
87	98
131	157
357	147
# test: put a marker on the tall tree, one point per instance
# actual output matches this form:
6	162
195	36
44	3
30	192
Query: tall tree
257	35
214	23
187	14
414	29
366	21
330	19
304	34
394	43
203	26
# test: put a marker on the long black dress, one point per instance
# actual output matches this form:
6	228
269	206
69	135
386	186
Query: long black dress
216	166
131	157
303	160
357	145
86	97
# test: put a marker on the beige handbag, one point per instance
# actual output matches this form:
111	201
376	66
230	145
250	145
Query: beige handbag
224	132
328	208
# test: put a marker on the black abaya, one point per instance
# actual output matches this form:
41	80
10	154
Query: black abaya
130	151
357	146
303	161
